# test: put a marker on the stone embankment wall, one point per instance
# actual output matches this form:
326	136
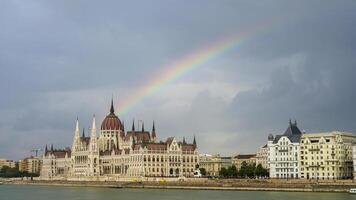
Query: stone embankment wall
209	184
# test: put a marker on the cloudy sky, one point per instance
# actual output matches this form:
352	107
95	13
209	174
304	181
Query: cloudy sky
63	59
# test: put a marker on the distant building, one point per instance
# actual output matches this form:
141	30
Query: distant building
240	158
7	163
30	165
118	153
213	163
262	156
326	155
283	153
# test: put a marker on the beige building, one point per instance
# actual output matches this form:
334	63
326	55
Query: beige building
213	163
118	153
30	165
326	155
240	158
8	163
262	156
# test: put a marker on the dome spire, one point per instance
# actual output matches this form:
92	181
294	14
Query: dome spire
112	111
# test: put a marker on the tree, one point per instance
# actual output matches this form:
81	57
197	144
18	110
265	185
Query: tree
232	171
223	172
202	171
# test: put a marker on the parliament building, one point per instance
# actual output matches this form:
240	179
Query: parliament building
117	153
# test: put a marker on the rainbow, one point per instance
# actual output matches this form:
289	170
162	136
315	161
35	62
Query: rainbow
183	66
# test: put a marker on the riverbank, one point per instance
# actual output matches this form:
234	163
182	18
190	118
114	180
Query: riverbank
207	184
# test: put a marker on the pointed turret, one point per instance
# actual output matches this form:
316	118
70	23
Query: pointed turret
76	132
83	134
153	131
93	128
46	149
133	125
51	147
184	142
194	141
295	122
143	127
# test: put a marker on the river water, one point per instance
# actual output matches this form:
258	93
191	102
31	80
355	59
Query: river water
27	192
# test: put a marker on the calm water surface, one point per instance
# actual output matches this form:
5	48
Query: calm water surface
20	192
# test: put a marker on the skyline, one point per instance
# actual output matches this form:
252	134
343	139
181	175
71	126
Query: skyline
60	60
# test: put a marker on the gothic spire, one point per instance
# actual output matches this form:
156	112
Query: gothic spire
143	127
153	130
93	128
46	149
83	134
112	111
76	133
184	142
133	125
52	147
194	141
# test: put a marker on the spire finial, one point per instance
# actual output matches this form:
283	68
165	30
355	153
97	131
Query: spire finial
184	142
295	122
46	149
153	126
51	147
143	126
112	110
194	141
133	125
83	134
290	121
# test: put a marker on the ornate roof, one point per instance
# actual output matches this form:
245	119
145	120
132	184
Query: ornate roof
292	133
111	121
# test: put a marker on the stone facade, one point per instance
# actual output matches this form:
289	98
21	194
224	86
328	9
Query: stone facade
30	165
213	163
326	155
7	163
240	158
117	153
262	157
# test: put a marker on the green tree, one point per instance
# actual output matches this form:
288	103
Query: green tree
223	172
202	171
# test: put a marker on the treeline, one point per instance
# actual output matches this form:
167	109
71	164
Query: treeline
8	172
246	171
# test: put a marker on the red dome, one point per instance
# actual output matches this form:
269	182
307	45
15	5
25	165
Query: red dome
111	122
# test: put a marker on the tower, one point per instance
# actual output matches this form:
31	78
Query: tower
76	138
153	134
93	151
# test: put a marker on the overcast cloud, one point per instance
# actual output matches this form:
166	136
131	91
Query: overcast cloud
63	59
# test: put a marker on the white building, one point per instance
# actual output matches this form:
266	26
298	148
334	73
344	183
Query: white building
116	153
283	153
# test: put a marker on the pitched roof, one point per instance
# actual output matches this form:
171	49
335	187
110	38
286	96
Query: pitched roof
292	133
140	136
189	147
245	156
